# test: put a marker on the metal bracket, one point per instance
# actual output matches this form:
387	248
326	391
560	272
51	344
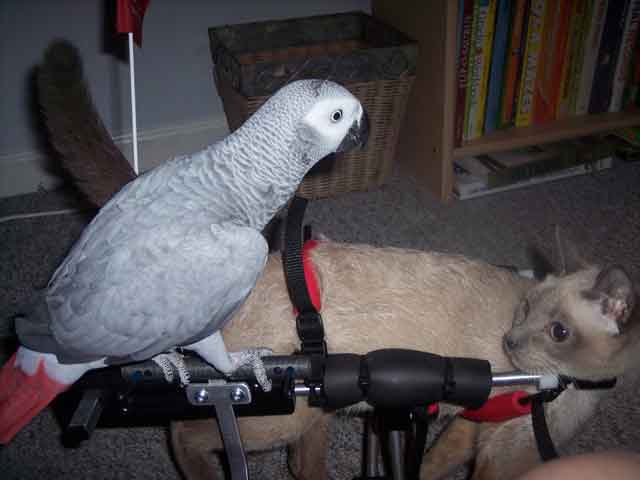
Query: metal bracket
223	396
85	417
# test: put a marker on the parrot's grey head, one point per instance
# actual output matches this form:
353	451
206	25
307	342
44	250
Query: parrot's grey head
325	118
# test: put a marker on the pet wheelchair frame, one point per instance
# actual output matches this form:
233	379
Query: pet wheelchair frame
398	382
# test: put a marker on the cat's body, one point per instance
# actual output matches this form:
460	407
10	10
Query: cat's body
381	298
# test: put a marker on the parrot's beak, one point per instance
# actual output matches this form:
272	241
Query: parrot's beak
357	135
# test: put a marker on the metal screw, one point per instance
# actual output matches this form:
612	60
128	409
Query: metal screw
201	396
238	394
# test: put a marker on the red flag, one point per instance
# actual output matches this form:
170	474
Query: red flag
129	17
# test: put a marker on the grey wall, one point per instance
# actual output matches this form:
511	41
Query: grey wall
173	69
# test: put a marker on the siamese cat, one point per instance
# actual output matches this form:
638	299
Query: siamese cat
577	322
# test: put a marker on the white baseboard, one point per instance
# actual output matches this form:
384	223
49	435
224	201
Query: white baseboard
26	172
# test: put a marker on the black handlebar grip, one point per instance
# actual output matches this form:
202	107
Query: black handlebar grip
472	382
342	380
396	378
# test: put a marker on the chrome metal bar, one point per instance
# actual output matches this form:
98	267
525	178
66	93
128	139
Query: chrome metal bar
512	379
222	396
301	390
396	454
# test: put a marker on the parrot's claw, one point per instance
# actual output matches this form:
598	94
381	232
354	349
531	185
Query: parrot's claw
252	356
167	361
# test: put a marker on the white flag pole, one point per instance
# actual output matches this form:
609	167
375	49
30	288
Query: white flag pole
134	126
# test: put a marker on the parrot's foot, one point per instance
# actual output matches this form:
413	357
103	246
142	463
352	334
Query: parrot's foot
252	356
167	361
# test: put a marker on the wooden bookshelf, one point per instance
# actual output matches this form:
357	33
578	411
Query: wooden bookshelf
426	138
550	132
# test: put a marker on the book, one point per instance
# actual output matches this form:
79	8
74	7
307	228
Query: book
482	41
571	54
515	54
552	57
624	62
465	25
487	52
631	96
593	36
468	185
524	112
496	71
629	134
474	64
503	168
577	64
607	56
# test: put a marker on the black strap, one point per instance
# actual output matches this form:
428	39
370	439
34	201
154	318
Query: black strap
309	321
590	384
546	449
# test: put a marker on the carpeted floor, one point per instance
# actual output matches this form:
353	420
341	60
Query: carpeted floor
601	212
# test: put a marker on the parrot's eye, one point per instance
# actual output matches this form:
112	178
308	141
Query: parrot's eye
336	116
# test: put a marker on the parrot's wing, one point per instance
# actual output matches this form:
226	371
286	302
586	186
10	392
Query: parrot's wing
168	286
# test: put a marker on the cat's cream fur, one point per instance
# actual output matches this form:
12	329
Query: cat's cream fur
382	298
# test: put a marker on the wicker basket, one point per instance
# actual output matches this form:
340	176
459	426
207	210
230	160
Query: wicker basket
373	61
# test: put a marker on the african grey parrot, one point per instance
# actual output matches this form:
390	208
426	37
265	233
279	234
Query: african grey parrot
169	259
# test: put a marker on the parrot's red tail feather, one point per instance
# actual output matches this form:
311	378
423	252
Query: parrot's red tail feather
23	396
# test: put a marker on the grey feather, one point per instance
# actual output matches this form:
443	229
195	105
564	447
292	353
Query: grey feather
155	292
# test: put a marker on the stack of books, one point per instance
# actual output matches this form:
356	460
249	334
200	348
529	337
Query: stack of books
526	62
500	171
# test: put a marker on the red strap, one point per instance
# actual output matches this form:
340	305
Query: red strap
500	408
310	275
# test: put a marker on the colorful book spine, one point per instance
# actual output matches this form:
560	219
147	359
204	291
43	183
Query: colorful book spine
636	78
629	39
515	54
524	113
592	40
486	64
584	10
552	57
632	88
576	12
464	46
498	58
476	69
608	56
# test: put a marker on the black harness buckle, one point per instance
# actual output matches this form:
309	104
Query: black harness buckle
311	332
309	321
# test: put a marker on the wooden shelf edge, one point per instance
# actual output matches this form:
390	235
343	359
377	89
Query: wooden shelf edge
537	134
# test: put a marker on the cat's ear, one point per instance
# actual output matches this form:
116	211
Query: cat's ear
566	258
613	298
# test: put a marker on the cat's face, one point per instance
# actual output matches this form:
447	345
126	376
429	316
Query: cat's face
575	325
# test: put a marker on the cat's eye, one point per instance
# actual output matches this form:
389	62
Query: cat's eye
558	332
336	116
